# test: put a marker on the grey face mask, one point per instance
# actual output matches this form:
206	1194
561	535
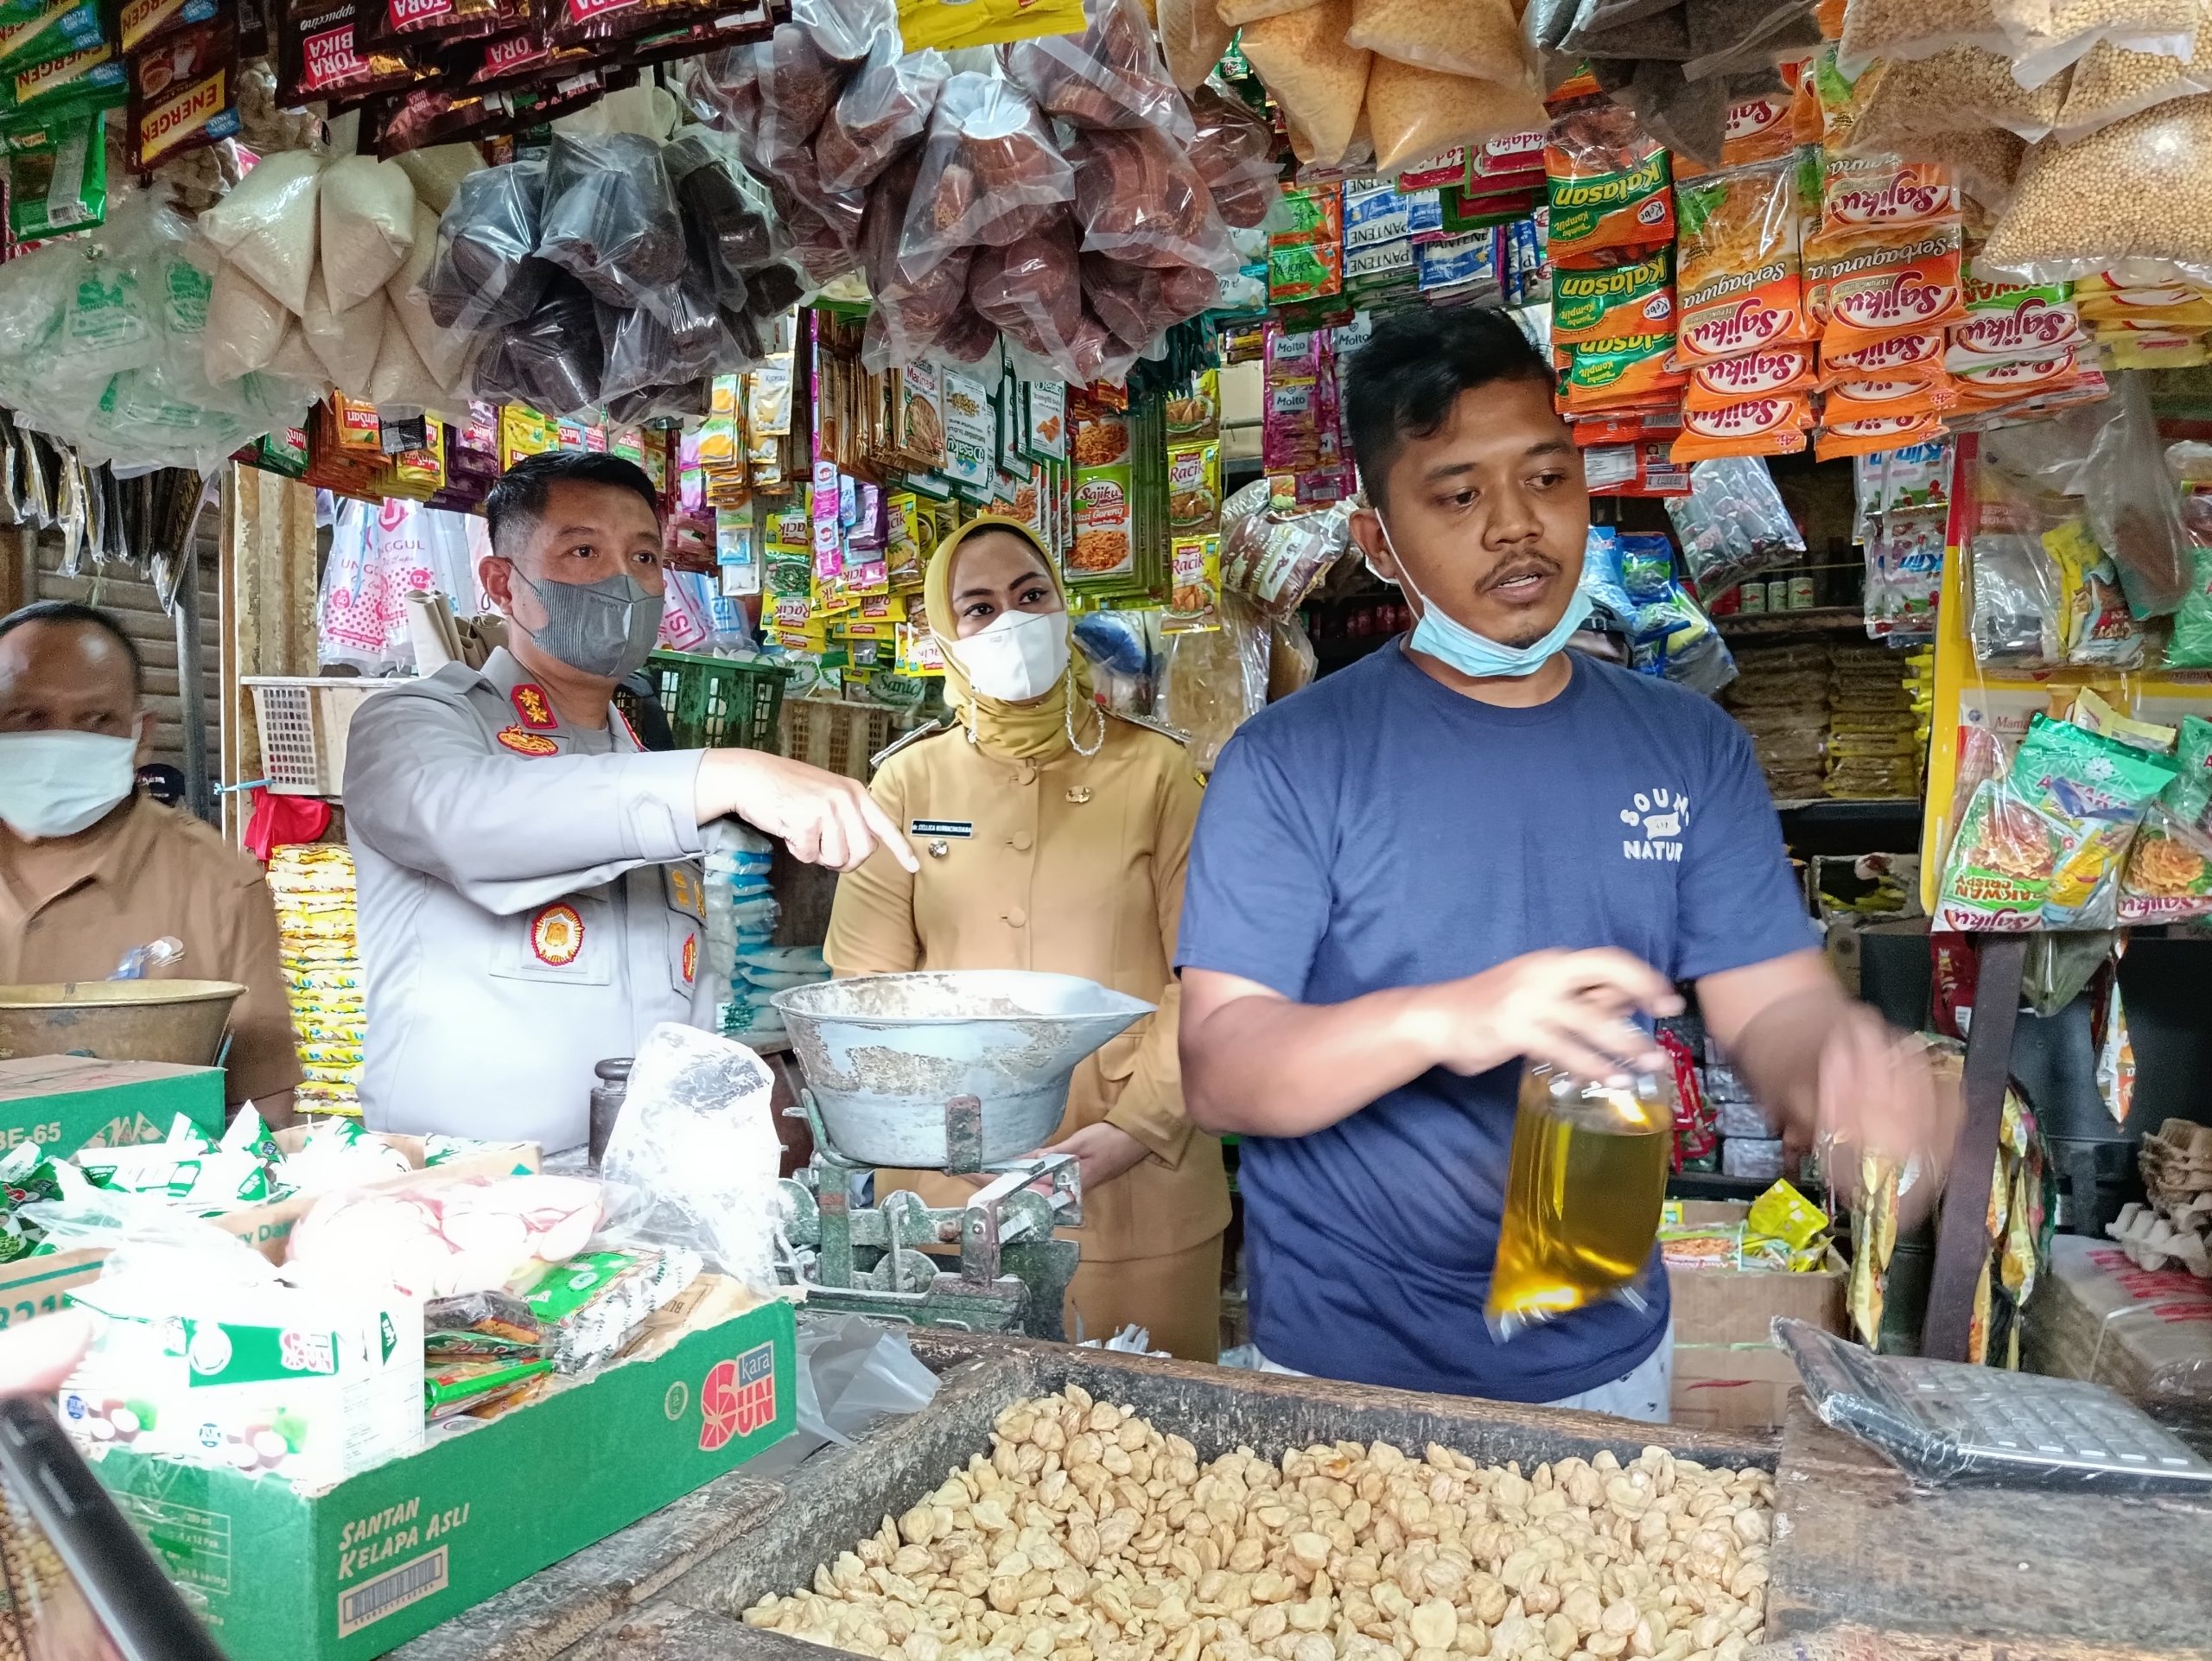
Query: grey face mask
606	628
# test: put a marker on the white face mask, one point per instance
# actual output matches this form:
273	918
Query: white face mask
55	784
1018	656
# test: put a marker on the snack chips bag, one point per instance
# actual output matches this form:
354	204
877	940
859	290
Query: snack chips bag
1723	381
1887	282
1774	425
1614	302
1736	279
1610	186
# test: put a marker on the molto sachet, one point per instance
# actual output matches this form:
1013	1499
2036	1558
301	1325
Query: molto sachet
1615	302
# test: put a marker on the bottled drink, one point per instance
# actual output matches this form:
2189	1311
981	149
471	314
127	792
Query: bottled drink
1583	1195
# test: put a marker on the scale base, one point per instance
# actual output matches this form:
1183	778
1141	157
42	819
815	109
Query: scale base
892	1260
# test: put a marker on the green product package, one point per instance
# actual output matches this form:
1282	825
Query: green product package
2094	791
57	174
35	33
2190	794
2191	645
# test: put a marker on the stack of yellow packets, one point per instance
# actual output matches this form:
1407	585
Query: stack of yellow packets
312	886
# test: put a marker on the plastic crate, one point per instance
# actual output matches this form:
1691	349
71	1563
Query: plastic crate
716	703
302	720
841	737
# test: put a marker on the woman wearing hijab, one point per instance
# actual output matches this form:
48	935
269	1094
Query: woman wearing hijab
1052	837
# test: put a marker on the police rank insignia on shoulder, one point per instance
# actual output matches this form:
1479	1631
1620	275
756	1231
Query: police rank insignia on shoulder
533	708
523	743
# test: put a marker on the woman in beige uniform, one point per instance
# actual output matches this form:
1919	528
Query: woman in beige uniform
1053	837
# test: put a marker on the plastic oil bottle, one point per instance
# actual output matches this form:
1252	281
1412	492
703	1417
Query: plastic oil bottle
1583	1194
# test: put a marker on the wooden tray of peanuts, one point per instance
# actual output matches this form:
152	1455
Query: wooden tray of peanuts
1065	1504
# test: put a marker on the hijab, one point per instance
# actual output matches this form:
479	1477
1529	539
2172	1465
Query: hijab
1016	732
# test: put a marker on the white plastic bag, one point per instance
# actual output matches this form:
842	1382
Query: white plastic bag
368	226
266	225
345	342
694	1157
245	325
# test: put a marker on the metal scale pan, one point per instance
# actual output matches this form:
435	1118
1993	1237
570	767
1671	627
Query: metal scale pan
947	1070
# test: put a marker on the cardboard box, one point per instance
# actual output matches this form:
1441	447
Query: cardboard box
353	1570
31	1287
68	1102
1728	1376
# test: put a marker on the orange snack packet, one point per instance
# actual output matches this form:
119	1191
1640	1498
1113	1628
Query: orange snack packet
1609	185
1772	369
1759	426
1880	192
1887	355
1865	436
1898	396
1891	283
1637	372
2023	377
1738	283
1758	130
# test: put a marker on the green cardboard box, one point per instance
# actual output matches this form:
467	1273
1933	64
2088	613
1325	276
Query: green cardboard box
360	1567
68	1102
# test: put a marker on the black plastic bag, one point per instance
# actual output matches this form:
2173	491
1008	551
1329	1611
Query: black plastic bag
610	217
553	360
485	274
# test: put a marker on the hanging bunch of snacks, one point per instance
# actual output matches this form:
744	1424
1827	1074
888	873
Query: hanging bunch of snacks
1065	196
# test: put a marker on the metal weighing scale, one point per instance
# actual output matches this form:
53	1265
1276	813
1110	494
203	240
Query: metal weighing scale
964	1072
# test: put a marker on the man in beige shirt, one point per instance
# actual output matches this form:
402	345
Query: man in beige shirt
90	869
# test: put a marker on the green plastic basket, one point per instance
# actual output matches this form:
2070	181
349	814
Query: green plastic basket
718	703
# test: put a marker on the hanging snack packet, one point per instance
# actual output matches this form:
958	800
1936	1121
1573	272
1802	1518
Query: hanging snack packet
57	174
485	273
1873	435
1775	425
2169	873
1736	262
1906	396
1610	187
989	173
183	93
1110	75
1637	372
1887	282
610	217
316	58
1997	873
1139	200
1760	130
1885	354
2094	792
1320	82
2100	630
1613	302
1880	192
1758	373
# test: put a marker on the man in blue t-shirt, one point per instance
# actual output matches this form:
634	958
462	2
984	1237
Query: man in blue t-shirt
1473	850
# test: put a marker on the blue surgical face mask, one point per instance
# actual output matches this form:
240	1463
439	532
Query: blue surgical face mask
1474	655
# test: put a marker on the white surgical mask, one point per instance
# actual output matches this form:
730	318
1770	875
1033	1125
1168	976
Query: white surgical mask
54	784
1018	656
1478	656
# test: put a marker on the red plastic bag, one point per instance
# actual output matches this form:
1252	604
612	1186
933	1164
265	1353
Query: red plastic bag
989	173
1110	75
1138	304
910	311
882	110
1140	199
1233	150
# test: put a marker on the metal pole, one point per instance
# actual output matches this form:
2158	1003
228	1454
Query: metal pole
1963	1242
190	687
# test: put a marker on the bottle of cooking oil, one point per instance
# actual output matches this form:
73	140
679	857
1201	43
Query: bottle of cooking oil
1583	1194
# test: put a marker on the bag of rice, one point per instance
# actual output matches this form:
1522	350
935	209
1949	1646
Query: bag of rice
1480	38
1193	37
399	381
245	325
345	343
1320	82
368	226
444	351
1415	111
266	225
437	172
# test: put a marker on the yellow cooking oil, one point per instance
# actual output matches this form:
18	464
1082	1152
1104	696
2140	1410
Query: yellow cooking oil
1583	1194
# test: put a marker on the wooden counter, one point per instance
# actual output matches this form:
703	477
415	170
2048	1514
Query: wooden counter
2063	1578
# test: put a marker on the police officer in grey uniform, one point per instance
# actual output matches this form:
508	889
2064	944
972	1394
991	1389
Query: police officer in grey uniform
530	902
